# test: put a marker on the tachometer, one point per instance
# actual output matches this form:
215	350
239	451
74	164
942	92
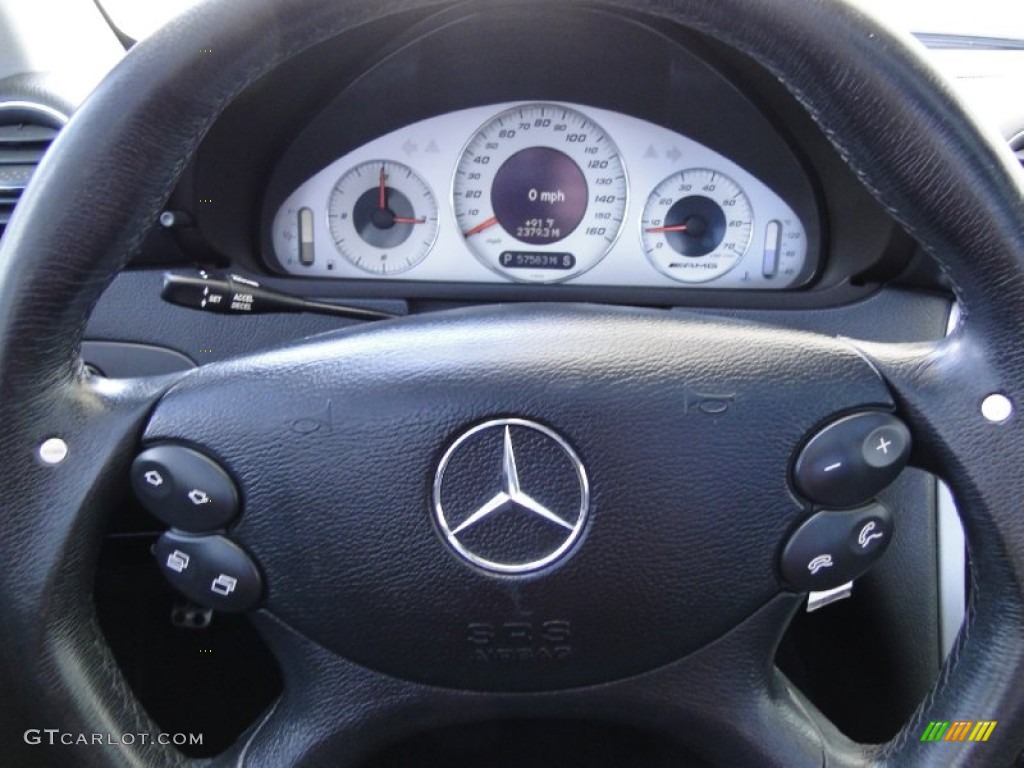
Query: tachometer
696	225
540	193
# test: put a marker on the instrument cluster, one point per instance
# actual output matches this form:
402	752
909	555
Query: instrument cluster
541	193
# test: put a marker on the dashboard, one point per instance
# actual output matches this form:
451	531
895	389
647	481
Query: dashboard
541	193
484	155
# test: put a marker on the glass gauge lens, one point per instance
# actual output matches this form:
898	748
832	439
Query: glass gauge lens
696	225
540	193
382	217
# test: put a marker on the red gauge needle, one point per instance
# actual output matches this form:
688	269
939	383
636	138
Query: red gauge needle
481	227
676	228
383	191
402	220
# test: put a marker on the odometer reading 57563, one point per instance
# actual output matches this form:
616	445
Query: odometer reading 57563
540	193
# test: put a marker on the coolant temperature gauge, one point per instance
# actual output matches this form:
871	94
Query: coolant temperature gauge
382	217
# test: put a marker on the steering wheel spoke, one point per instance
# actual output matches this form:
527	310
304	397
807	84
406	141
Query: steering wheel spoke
729	703
726	703
332	711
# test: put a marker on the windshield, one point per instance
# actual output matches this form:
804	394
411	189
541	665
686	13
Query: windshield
983	18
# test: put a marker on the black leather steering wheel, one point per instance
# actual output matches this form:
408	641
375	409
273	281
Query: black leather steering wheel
361	592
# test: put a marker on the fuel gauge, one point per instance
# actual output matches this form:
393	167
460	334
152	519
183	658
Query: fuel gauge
382	217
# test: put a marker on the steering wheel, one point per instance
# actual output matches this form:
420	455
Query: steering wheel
666	604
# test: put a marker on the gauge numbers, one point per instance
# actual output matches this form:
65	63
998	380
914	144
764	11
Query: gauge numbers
540	193
696	225
382	217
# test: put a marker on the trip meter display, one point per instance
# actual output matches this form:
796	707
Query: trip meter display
540	193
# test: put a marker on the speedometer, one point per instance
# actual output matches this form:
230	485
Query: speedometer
540	193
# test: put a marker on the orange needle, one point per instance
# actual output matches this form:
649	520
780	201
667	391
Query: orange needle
676	228
383	191
481	227
401	220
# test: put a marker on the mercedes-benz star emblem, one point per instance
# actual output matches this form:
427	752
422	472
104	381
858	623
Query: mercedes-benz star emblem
511	496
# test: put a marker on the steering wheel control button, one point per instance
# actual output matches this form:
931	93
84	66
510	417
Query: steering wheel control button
212	571
511	496
886	446
851	460
834	547
872	535
184	488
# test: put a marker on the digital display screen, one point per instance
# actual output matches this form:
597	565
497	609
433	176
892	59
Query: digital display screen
536	260
539	196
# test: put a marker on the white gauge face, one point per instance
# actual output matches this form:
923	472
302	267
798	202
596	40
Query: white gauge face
382	217
696	225
540	193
